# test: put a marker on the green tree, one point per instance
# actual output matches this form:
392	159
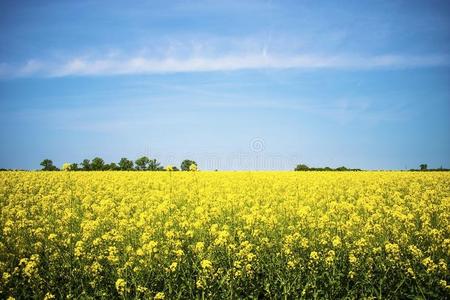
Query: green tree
74	167
423	167
47	165
125	164
301	167
112	167
343	168
185	165
86	165
154	165
142	163
97	164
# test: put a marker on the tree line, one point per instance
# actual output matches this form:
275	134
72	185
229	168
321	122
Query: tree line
424	168
143	163
146	164
303	167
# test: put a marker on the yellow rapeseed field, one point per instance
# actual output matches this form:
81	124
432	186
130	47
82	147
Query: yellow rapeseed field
187	235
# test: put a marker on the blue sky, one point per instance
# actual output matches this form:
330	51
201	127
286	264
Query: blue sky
230	84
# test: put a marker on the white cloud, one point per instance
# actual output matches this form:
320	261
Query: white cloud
341	111
88	66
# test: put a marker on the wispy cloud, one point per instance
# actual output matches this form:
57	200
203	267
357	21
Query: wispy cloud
341	111
87	66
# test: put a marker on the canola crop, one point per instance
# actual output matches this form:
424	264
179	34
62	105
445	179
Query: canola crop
224	235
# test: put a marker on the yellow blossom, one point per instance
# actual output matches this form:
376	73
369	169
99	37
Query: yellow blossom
173	266
314	255
206	264
121	285
336	241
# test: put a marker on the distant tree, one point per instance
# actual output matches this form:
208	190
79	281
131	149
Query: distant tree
86	165
154	165
112	167
423	167
186	164
66	167
74	167
142	163
97	164
301	167
47	165
175	169
125	164
341	169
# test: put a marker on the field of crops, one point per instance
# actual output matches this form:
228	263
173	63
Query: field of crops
224	235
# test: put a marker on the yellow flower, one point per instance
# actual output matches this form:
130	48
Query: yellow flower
248	268
142	289
199	246
291	264
330	257
206	264
393	251
200	284
429	264
52	237
336	241
113	254
96	267
442	265
79	249
49	296
6	276
160	296
222	237
173	266
121	285
304	242
31	265
179	253
314	255
415	251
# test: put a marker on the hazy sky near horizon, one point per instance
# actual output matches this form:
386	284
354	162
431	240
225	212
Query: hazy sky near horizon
230	84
